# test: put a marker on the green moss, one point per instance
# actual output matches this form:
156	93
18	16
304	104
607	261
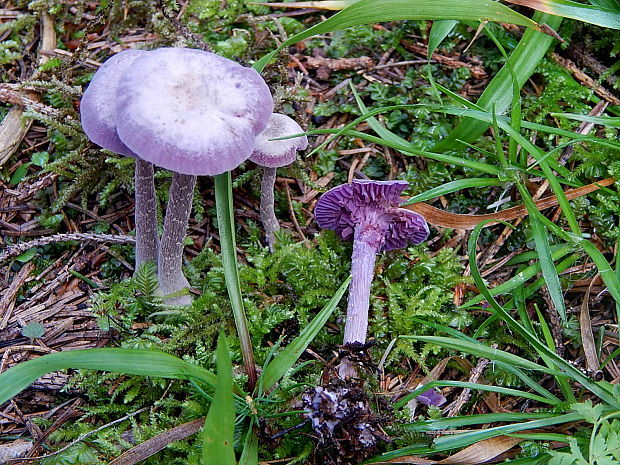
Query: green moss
414	285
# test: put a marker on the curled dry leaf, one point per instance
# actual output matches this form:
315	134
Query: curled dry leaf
438	217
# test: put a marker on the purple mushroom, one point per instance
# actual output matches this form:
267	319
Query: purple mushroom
272	154
194	113
98	114
367	212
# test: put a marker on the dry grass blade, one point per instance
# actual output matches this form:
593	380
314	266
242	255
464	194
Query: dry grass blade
7	302
17	249
438	217
155	444
587	336
482	451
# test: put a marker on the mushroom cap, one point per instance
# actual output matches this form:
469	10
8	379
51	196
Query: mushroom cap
98	105
339	207
276	153
191	111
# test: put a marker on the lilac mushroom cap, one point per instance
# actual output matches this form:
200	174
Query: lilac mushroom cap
348	205
190	111
98	105
277	153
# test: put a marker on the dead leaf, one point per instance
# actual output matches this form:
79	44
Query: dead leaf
438	217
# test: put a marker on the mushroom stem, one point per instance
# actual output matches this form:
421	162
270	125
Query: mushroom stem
362	272
171	278
367	241
267	209
147	239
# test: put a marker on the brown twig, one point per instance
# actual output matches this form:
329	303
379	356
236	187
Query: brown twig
18	249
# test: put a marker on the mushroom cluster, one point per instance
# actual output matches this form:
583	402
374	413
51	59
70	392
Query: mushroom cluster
189	111
368	213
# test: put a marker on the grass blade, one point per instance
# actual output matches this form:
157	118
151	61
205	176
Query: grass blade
477	386
465	439
598	389
451	187
608	275
468	420
129	361
410	151
439	31
541	242
377	11
588	14
520	278
524	59
482	350
609	121
249	456
283	362
225	223
219	429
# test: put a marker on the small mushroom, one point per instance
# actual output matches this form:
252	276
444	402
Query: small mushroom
367	212
194	113
98	115
272	154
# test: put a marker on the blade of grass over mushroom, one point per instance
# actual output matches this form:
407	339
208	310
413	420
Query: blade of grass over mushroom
597	15
452	186
459	440
225	221
438	424
278	367
480	387
129	361
523	60
609	121
570	371
389	139
219	428
377	11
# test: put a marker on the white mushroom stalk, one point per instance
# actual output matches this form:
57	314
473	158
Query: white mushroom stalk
271	154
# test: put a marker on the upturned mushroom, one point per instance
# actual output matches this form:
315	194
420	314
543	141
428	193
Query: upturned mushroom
272	154
194	113
368	213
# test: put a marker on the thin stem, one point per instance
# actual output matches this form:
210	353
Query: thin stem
267	209
362	272
171	278
225	221
147	239
365	248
